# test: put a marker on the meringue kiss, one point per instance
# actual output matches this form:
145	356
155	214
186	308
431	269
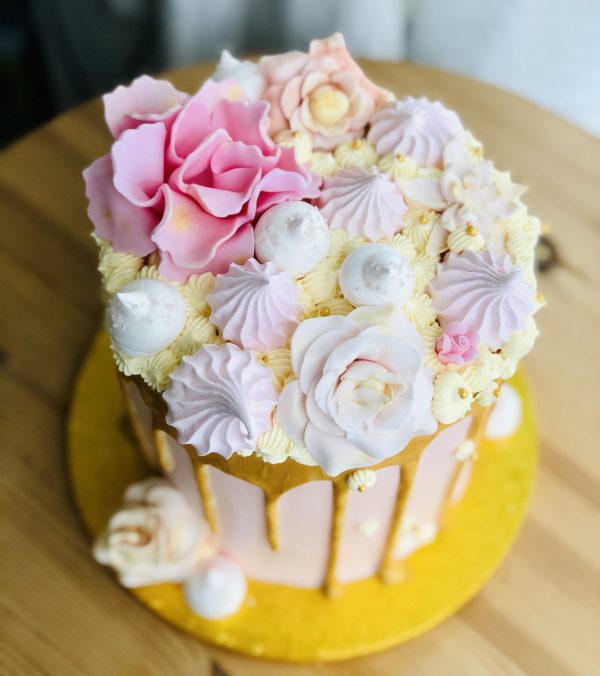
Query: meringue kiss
376	274
145	316
293	235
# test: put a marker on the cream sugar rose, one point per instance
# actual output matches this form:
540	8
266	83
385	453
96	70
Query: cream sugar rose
316	287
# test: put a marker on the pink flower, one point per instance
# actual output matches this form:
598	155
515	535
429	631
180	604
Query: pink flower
188	176
323	93
458	344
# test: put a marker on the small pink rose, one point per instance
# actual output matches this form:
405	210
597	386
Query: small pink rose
323	93
458	344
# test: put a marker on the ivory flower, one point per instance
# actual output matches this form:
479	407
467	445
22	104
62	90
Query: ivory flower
155	537
362	392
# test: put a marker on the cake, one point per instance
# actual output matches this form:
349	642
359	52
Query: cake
315	292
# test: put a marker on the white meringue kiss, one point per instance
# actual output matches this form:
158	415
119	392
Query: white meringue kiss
145	316
217	590
293	235
376	274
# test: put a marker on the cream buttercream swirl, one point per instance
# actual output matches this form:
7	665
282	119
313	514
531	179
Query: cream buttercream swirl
486	293
363	202
255	305
355	153
220	399
415	127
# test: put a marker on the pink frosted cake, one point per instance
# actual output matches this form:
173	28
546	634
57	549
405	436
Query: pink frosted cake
315	291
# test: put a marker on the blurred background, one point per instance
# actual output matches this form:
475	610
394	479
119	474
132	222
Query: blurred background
57	53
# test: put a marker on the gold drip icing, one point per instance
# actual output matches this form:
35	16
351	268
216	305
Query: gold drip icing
340	500
272	521
164	453
476	432
391	571
148	449
206	496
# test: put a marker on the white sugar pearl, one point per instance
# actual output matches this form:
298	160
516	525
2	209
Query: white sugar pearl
293	235
217	590
376	274
145	316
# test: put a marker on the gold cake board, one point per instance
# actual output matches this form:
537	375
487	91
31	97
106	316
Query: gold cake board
302	625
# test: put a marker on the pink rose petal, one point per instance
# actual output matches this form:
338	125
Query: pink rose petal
115	219
138	160
145	100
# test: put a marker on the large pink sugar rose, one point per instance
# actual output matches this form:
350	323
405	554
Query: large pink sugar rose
323	93
363	390
189	175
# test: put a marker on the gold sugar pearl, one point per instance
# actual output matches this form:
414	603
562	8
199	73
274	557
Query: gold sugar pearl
296	134
325	311
362	488
357	144
463	393
423	219
471	230
540	297
400	157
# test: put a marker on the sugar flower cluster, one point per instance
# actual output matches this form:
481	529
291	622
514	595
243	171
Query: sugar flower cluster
345	270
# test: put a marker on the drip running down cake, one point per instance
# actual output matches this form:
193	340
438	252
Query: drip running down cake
315	292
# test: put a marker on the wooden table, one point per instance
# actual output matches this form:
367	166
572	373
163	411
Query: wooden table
65	615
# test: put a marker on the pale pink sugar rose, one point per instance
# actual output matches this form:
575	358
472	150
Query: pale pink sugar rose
323	93
191	185
363	391
458	344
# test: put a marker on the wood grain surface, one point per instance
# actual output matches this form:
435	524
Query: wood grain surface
62	614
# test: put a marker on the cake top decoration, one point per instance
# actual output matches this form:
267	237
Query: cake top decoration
344	270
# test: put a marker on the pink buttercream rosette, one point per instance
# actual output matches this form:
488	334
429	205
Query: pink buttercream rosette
323	93
187	176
